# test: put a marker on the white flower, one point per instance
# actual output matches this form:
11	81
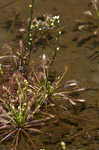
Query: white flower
58	48
30	6
60	32
40	29
56	17
52	24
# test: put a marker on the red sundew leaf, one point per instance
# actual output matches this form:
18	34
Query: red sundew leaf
33	130
8	135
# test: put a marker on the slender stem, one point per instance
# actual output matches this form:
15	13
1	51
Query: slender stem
55	49
30	23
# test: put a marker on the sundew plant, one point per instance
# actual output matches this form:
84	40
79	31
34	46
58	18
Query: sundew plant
22	98
17	114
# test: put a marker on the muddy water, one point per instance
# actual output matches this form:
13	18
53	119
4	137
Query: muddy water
77	126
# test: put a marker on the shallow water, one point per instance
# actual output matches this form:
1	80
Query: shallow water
78	127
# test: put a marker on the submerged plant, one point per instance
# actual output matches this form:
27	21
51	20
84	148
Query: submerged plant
87	28
91	21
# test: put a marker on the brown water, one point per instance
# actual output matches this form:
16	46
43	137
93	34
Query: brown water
78	127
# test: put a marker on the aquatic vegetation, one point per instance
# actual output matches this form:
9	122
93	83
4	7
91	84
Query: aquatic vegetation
47	89
41	29
45	22
88	25
22	56
44	27
91	20
44	30
17	114
22	98
30	36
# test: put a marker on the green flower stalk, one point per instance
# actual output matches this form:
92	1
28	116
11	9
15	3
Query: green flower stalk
30	32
